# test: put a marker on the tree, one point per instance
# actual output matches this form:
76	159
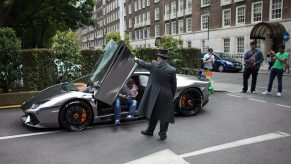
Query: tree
172	45
116	37
10	66
37	21
67	52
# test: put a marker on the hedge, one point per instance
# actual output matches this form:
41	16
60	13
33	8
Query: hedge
39	70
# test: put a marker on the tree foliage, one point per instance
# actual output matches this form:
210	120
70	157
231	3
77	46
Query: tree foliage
37	21
116	37
67	53
172	45
9	58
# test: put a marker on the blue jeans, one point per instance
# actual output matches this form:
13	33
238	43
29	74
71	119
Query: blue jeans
275	72
127	102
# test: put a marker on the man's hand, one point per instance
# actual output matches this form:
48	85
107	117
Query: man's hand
135	59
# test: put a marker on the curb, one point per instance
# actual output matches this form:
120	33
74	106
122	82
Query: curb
10	107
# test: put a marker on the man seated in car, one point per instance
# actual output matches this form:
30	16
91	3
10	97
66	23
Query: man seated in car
126	97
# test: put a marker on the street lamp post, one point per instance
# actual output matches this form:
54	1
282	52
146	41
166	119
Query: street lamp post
121	23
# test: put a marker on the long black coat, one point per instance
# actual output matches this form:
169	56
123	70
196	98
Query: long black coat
157	101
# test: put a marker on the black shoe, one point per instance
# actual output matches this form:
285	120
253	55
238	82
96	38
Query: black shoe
146	133
243	91
163	137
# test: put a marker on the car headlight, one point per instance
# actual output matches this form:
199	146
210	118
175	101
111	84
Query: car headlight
35	105
229	63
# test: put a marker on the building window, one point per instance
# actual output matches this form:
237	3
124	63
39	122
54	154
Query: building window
135	35
144	3
167	28
181	5
135	21
188	24
240	45
157	13
204	46
204	22
174	28
276	9
148	16
130	35
257	10
189	44
140	34
226	17
130	23
157	30
148	32
173	7
129	9
240	15
225	2
148	2
181	26
205	3
139	4
189	5
144	17
259	43
135	5
156	1
226	45
145	33
167	9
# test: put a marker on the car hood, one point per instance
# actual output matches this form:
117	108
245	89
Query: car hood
42	96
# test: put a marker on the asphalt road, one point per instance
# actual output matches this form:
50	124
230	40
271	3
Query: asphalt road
227	118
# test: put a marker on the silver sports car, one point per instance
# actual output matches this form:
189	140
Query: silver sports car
76	105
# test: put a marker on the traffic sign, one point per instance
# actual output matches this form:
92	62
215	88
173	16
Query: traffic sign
286	36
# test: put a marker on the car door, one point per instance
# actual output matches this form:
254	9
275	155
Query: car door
118	72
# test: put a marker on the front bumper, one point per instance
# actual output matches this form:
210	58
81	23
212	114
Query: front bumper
42	118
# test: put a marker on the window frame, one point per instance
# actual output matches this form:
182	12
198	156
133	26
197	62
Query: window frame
180	26
204	5
271	13
174	27
201	23
252	12
237	8
237	45
223	17
224	45
187	28
157	27
157	14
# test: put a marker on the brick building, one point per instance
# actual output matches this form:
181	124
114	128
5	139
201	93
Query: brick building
230	23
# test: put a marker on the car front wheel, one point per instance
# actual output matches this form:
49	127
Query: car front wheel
75	115
221	68
189	102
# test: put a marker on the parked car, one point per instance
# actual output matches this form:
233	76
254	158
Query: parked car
224	63
75	105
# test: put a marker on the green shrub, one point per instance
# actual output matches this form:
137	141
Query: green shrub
88	59
39	69
10	64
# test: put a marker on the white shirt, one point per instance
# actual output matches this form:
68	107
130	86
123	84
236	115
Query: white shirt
209	62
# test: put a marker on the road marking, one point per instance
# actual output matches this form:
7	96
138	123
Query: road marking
11	106
286	106
161	157
234	95
257	100
247	141
28	134
57	131
169	157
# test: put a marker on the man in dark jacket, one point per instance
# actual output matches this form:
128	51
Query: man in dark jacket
253	60
157	101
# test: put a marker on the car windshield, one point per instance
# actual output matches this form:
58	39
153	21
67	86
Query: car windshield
223	56
104	62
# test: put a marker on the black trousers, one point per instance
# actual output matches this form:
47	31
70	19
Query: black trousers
247	73
163	127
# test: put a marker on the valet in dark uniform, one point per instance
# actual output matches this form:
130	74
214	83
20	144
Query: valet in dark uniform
157	103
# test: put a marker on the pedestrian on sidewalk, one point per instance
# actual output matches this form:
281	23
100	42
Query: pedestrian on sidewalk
208	60
157	102
277	70
253	59
270	58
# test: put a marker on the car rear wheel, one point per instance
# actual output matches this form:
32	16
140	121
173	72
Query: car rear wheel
75	115
220	68
189	102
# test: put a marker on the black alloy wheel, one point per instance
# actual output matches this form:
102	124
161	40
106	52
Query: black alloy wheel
75	115
189	102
